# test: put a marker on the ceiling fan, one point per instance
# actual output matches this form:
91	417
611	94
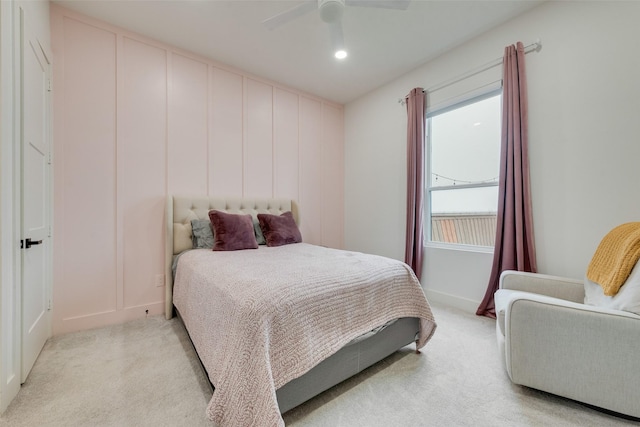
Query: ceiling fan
330	12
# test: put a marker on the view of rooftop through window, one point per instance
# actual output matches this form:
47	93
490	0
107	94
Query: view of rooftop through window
463	166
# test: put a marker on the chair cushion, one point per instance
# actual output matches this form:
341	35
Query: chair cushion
627	298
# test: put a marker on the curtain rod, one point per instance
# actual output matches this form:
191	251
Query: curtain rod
535	46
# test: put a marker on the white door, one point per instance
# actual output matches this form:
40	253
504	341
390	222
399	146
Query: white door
36	178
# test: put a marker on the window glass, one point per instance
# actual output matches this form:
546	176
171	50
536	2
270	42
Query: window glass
465	216
463	162
465	144
468	201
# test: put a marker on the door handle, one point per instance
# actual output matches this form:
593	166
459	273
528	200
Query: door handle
28	243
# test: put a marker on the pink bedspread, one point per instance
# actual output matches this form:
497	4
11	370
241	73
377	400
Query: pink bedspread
260	318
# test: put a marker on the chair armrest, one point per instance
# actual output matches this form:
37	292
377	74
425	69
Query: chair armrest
542	284
566	348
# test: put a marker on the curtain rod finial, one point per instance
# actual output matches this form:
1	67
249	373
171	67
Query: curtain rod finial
538	44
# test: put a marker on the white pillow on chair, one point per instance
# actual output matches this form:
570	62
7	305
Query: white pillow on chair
627	298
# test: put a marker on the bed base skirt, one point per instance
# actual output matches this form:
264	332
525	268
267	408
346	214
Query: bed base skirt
348	361
345	363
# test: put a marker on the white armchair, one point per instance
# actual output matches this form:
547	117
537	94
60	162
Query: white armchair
553	342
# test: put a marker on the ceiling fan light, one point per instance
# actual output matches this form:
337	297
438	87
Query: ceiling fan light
341	54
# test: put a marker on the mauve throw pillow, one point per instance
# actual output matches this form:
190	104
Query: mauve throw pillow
232	232
279	230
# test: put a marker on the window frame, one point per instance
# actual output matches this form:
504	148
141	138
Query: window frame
429	188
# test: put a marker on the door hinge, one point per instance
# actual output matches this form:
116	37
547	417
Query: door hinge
50	158
49	305
49	85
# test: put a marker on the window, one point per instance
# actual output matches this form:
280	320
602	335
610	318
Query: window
463	163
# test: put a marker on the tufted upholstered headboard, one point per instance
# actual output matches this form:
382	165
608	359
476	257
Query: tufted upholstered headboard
182	209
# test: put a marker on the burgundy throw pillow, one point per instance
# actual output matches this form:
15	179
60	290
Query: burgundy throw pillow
279	230
232	232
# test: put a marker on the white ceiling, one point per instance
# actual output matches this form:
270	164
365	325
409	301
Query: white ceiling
383	44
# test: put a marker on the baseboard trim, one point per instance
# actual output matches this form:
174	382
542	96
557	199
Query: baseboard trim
97	320
455	301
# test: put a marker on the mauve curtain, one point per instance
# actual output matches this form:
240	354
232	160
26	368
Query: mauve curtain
514	247
415	179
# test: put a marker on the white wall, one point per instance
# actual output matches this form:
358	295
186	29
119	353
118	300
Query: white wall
584	98
7	314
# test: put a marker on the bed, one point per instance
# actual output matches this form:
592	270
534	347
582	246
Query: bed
273	338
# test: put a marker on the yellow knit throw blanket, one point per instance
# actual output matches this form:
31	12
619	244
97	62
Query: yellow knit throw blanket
615	257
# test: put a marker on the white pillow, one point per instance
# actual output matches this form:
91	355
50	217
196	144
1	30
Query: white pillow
627	298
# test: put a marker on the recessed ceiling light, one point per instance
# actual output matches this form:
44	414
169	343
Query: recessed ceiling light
477	123
341	54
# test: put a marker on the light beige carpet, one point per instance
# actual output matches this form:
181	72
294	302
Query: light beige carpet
144	373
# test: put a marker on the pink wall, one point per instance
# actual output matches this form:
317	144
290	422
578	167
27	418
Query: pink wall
134	120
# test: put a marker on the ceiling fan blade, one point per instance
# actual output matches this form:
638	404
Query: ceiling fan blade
288	15
383	4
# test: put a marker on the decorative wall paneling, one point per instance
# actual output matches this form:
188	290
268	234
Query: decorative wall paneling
226	144
85	236
135	120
